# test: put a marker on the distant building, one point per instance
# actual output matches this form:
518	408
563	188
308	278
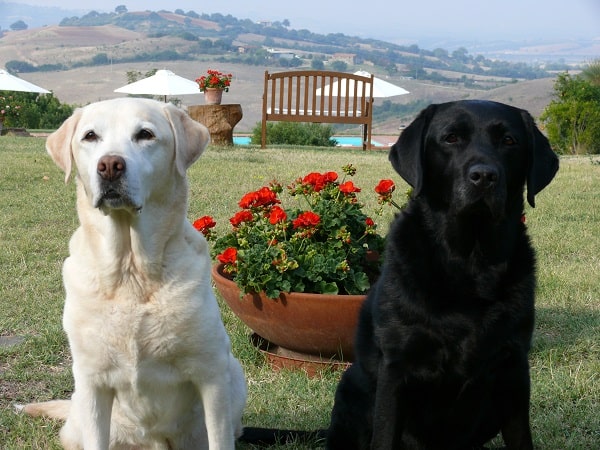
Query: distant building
244	48
348	58
281	54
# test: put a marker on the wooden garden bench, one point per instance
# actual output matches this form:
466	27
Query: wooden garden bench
318	96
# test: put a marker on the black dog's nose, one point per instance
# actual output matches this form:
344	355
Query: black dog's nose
483	176
111	167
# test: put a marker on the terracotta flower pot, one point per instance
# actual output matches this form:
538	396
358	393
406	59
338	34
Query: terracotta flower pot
313	324
213	96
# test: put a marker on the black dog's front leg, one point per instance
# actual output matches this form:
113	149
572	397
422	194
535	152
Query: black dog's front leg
517	433
516	429
388	419
351	423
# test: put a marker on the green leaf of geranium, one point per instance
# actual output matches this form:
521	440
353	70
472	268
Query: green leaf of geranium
327	288
361	281
272	293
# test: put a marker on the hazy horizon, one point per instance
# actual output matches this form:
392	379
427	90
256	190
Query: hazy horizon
509	20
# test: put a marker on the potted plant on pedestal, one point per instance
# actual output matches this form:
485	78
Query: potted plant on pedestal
213	84
297	276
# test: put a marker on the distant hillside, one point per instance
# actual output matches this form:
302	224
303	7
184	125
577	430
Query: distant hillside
86	58
244	41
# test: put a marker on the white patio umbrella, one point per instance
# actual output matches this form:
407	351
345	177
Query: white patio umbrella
381	88
9	82
163	82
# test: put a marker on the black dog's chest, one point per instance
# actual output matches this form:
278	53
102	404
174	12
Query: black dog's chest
449	344
453	324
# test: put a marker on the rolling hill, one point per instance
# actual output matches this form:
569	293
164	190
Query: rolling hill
80	81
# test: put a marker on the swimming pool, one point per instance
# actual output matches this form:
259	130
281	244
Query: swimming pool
342	141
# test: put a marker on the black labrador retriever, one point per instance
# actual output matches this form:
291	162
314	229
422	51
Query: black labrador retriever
443	337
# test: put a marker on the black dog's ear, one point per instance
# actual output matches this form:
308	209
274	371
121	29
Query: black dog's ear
406	154
543	161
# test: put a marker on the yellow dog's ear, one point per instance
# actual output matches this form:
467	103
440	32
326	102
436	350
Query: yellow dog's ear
191	137
59	146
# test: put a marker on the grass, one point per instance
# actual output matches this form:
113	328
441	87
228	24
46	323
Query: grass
38	217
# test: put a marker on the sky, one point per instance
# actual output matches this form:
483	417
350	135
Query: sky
396	21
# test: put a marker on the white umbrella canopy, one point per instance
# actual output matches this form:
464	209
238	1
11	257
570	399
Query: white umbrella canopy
9	82
163	82
381	88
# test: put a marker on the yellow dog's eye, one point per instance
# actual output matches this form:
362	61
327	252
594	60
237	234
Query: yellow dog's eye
144	135
90	136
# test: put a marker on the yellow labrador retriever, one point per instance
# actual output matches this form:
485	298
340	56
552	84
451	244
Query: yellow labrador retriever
152	361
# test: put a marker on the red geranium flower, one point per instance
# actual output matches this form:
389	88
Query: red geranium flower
229	256
263	197
277	215
312	179
330	177
204	224
266	197
385	187
306	219
348	187
241	216
318	180
248	200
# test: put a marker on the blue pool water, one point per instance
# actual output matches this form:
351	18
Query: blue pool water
342	141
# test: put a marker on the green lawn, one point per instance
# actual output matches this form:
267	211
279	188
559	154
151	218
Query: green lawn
37	217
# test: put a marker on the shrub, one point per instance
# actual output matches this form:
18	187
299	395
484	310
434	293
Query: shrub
32	110
572	119
295	133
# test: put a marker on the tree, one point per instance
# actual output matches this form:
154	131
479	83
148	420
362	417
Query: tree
460	54
19	25
136	75
339	66
572	119
440	53
121	9
317	64
100	59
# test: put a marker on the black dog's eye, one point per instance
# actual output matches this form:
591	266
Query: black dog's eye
451	138
90	136
144	135
509	140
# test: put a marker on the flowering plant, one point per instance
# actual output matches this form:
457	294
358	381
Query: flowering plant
323	248
214	79
9	110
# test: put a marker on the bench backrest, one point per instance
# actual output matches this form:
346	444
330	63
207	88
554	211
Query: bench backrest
318	96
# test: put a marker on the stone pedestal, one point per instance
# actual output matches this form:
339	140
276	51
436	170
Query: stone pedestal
219	119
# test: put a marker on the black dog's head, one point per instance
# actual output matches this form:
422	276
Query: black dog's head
474	154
